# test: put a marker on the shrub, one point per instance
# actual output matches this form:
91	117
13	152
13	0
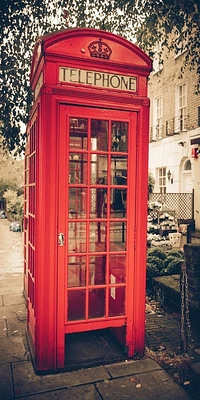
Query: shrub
173	267
152	270
168	260
14	204
162	263
176	253
163	272
155	261
157	253
151	182
172	262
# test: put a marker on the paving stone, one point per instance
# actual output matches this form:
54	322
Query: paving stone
13	349
86	392
6	389
132	367
151	386
11	283
196	367
10	299
15	318
16	327
2	328
26	382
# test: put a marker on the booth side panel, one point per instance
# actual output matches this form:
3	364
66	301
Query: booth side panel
30	225
141	229
46	239
131	216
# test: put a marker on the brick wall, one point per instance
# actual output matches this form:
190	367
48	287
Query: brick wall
164	83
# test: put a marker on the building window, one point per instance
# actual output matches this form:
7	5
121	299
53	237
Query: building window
181	108
187	166
158	117
162	180
181	40
157	123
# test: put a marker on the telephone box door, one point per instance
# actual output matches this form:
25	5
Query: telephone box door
97	164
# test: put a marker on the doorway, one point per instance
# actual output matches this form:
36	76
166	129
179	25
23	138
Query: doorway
96	182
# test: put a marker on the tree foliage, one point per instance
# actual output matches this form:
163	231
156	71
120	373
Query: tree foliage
21	22
14	205
11	174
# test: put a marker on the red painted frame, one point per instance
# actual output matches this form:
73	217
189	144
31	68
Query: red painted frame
46	317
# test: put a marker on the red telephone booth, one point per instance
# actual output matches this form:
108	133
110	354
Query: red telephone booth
86	192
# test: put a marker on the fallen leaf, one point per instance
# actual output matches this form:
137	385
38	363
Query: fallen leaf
139	385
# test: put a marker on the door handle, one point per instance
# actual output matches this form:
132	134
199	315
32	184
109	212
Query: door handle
61	239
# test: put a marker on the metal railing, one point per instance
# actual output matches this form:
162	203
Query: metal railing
156	133
176	125
172	127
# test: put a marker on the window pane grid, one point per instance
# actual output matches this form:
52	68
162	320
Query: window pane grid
92	256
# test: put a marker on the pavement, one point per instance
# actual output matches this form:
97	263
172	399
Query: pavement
163	373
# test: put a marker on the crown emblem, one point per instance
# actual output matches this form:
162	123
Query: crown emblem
99	49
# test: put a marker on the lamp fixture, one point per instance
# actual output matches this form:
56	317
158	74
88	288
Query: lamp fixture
169	174
181	144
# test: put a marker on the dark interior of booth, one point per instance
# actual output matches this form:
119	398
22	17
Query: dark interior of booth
94	348
103	346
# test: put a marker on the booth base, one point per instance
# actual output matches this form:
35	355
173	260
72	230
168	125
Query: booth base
88	349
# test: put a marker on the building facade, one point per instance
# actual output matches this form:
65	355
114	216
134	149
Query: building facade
174	150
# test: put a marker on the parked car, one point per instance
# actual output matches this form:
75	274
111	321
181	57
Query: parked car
15	226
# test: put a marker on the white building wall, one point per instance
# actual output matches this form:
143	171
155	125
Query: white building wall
165	151
170	154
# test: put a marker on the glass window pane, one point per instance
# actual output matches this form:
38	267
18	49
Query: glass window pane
99	135
117	236
98	202
78	133
97	270
119	136
99	169
76	305
117	268
77	198
118	170
76	271
118	203
96	303
116	301
97	236
77	168
188	166
77	237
